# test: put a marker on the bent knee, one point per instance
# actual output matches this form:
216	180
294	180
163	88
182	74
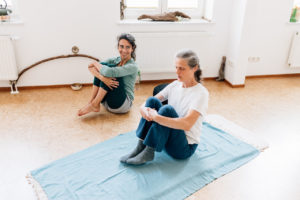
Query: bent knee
151	101
168	111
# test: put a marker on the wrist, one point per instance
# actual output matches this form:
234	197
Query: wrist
156	117
99	66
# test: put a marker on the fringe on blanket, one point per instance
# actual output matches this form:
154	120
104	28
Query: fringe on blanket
237	131
40	193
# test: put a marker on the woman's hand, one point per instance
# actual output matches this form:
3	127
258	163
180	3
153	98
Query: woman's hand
145	113
152	113
148	114
110	82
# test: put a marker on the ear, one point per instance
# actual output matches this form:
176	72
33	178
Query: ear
195	68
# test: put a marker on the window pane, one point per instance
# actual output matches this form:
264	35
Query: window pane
183	4
142	3
3	4
296	2
9	4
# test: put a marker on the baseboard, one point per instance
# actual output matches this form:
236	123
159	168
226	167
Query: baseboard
234	86
263	76
42	86
160	81
274	75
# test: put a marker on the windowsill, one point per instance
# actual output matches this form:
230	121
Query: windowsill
294	23
12	21
142	22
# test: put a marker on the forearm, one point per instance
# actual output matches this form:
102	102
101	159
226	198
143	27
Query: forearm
96	73
175	123
99	76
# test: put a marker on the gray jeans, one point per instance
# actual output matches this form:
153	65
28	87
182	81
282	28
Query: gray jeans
123	109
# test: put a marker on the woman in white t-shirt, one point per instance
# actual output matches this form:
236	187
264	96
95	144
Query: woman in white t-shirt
175	127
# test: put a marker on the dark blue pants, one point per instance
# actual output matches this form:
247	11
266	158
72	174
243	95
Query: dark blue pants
159	137
115	97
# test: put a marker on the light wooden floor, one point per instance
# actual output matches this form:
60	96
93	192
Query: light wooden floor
38	126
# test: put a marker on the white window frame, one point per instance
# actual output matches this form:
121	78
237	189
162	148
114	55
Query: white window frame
204	10
13	5
296	3
192	12
131	13
9	4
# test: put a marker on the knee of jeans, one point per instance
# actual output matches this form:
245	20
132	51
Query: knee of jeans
151	101
168	111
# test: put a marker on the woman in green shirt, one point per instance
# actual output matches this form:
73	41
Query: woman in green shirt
114	80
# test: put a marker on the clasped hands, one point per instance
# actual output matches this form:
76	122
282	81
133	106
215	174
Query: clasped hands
149	114
110	82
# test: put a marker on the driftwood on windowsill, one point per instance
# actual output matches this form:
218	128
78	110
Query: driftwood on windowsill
170	16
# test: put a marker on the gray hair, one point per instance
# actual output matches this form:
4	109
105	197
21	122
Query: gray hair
192	61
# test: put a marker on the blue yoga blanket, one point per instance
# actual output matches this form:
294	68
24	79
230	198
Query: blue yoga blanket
96	173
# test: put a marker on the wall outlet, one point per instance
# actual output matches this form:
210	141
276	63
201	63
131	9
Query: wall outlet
230	63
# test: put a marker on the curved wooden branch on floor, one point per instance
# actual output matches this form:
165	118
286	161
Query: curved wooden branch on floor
53	58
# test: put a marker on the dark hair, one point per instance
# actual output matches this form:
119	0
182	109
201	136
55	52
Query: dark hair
131	40
192	61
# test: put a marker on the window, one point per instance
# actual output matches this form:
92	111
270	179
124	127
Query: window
296	3
295	15
193	8
6	4
12	5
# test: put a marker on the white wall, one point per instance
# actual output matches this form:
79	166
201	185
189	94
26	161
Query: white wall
51	28
266	34
234	73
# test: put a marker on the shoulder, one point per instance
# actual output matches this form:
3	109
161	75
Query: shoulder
175	83
131	62
116	60
200	91
201	88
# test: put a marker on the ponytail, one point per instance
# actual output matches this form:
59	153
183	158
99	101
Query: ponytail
197	75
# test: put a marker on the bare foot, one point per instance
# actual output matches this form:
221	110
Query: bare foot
87	109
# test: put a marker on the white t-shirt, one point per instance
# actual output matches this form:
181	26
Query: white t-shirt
185	99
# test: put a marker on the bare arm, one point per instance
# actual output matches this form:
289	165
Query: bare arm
184	123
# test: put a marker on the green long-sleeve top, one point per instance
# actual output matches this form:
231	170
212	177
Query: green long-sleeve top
128	71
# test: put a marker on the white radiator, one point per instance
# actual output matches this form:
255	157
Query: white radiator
8	66
156	51
294	56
